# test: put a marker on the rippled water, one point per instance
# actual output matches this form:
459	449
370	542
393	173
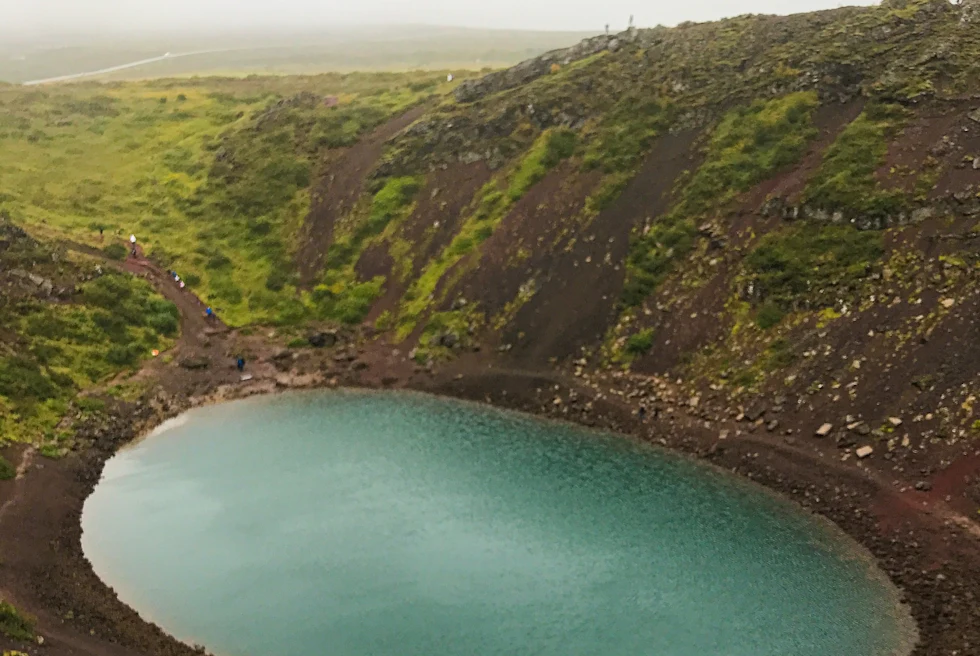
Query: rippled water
377	524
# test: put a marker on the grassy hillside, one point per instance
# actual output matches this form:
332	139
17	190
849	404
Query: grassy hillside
66	325
715	200
212	175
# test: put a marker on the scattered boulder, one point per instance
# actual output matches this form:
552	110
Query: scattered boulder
755	413
895	421
323	340
772	425
196	362
824	430
449	340
46	285
864	452
923	486
974	115
859	427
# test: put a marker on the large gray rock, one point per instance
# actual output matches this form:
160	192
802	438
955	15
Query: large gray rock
324	339
42	282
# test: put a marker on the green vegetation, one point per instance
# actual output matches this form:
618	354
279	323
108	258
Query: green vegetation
66	348
341	297
7	470
845	181
616	148
749	145
115	252
625	134
494	200
446	331
779	355
52	350
770	314
347	301
547	152
15	625
810	266
215	186
640	343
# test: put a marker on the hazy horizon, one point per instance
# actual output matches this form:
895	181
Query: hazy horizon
39	18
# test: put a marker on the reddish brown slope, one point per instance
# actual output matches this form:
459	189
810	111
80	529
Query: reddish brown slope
341	186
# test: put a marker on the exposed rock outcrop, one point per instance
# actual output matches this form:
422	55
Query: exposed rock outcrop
534	68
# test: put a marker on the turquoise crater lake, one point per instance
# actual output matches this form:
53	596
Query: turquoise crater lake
389	524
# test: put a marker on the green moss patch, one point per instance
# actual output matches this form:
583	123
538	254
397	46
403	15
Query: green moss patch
810	266
16	625
845	181
749	145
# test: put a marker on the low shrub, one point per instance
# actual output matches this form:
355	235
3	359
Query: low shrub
640	343
115	252
770	314
7	470
15	625
811	266
276	280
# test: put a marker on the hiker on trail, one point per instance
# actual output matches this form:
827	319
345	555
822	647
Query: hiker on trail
209	313
132	241
181	284
642	412
241	364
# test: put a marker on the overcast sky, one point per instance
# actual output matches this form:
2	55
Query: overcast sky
87	15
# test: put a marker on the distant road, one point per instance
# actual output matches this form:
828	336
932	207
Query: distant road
122	67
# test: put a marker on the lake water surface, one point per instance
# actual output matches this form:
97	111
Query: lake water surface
388	524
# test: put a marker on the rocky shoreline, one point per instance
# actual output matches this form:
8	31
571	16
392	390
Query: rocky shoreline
44	570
